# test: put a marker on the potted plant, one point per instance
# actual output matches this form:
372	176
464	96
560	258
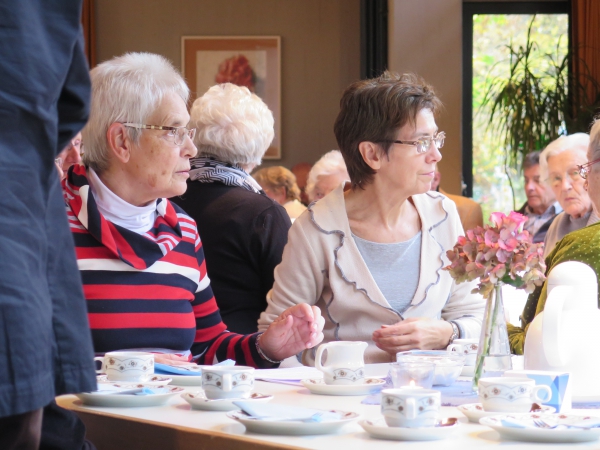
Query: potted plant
538	101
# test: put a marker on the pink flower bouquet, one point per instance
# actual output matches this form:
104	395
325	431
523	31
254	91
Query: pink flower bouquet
498	253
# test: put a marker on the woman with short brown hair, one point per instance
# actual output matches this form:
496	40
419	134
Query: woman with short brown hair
280	185
371	257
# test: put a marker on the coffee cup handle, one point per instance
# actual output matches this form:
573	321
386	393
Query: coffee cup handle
318	357
101	359
411	408
536	393
227	382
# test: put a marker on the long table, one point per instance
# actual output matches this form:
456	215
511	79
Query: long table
177	426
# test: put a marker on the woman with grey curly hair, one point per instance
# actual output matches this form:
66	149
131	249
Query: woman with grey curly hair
243	231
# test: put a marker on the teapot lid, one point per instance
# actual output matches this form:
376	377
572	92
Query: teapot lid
572	273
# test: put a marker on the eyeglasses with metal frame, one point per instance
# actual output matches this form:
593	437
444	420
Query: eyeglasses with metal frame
584	169
423	144
178	133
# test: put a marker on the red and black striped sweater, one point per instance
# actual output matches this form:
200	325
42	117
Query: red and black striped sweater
150	290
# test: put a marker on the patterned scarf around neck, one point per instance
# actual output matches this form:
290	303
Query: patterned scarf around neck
208	169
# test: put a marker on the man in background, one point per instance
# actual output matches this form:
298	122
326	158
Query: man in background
541	207
45	343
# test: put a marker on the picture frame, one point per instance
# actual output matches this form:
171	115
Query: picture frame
251	61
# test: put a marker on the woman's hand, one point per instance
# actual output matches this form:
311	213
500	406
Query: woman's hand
172	359
296	329
413	333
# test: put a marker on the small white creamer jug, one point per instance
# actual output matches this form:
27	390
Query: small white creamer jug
345	362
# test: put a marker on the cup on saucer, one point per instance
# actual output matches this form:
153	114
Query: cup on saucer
227	381
411	408
345	362
511	394
466	347
127	366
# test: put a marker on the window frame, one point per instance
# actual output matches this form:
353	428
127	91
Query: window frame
468	11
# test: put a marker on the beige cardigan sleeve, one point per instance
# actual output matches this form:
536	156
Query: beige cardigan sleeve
298	278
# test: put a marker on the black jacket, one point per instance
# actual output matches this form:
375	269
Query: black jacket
243	235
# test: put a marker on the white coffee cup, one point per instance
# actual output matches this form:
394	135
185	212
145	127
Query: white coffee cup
411	408
466	347
511	394
127	366
227	381
345	363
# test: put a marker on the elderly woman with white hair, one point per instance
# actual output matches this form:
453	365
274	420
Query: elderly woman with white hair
328	173
243	231
558	167
582	245
140	255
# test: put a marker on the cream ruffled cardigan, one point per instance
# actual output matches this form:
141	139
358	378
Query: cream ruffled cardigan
322	266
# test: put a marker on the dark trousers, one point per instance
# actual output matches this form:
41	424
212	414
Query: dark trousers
21	432
62	430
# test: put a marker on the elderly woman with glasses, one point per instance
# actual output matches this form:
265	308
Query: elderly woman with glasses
371	257
558	166
582	245
140	255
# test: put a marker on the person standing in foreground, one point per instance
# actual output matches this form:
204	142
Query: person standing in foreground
45	344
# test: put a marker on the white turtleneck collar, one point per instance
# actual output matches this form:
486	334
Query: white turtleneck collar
138	219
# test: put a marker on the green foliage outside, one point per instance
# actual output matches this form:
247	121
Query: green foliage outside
492	34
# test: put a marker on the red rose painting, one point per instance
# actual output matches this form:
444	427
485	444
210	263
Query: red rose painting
236	70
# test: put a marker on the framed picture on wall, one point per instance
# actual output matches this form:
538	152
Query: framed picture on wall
250	61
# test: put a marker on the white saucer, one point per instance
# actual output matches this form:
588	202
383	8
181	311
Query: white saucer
467	371
318	386
154	380
128	401
186	380
377	428
474	411
541	434
291	427
199	401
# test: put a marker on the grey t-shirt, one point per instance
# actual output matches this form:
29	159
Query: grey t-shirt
394	267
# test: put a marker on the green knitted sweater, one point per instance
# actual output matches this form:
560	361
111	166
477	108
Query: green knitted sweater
582	245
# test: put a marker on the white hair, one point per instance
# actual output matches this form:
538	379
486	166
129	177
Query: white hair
127	88
577	143
331	163
232	124
595	140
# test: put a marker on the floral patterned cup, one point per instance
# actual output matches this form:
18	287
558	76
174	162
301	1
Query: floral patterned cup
511	394
411	408
466	347
227	381
127	366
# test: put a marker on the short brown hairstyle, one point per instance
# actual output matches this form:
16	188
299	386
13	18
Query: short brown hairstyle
276	177
374	110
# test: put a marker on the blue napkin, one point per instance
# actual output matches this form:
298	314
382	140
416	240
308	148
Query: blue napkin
166	369
272	411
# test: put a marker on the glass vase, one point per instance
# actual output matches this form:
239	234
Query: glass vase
493	356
